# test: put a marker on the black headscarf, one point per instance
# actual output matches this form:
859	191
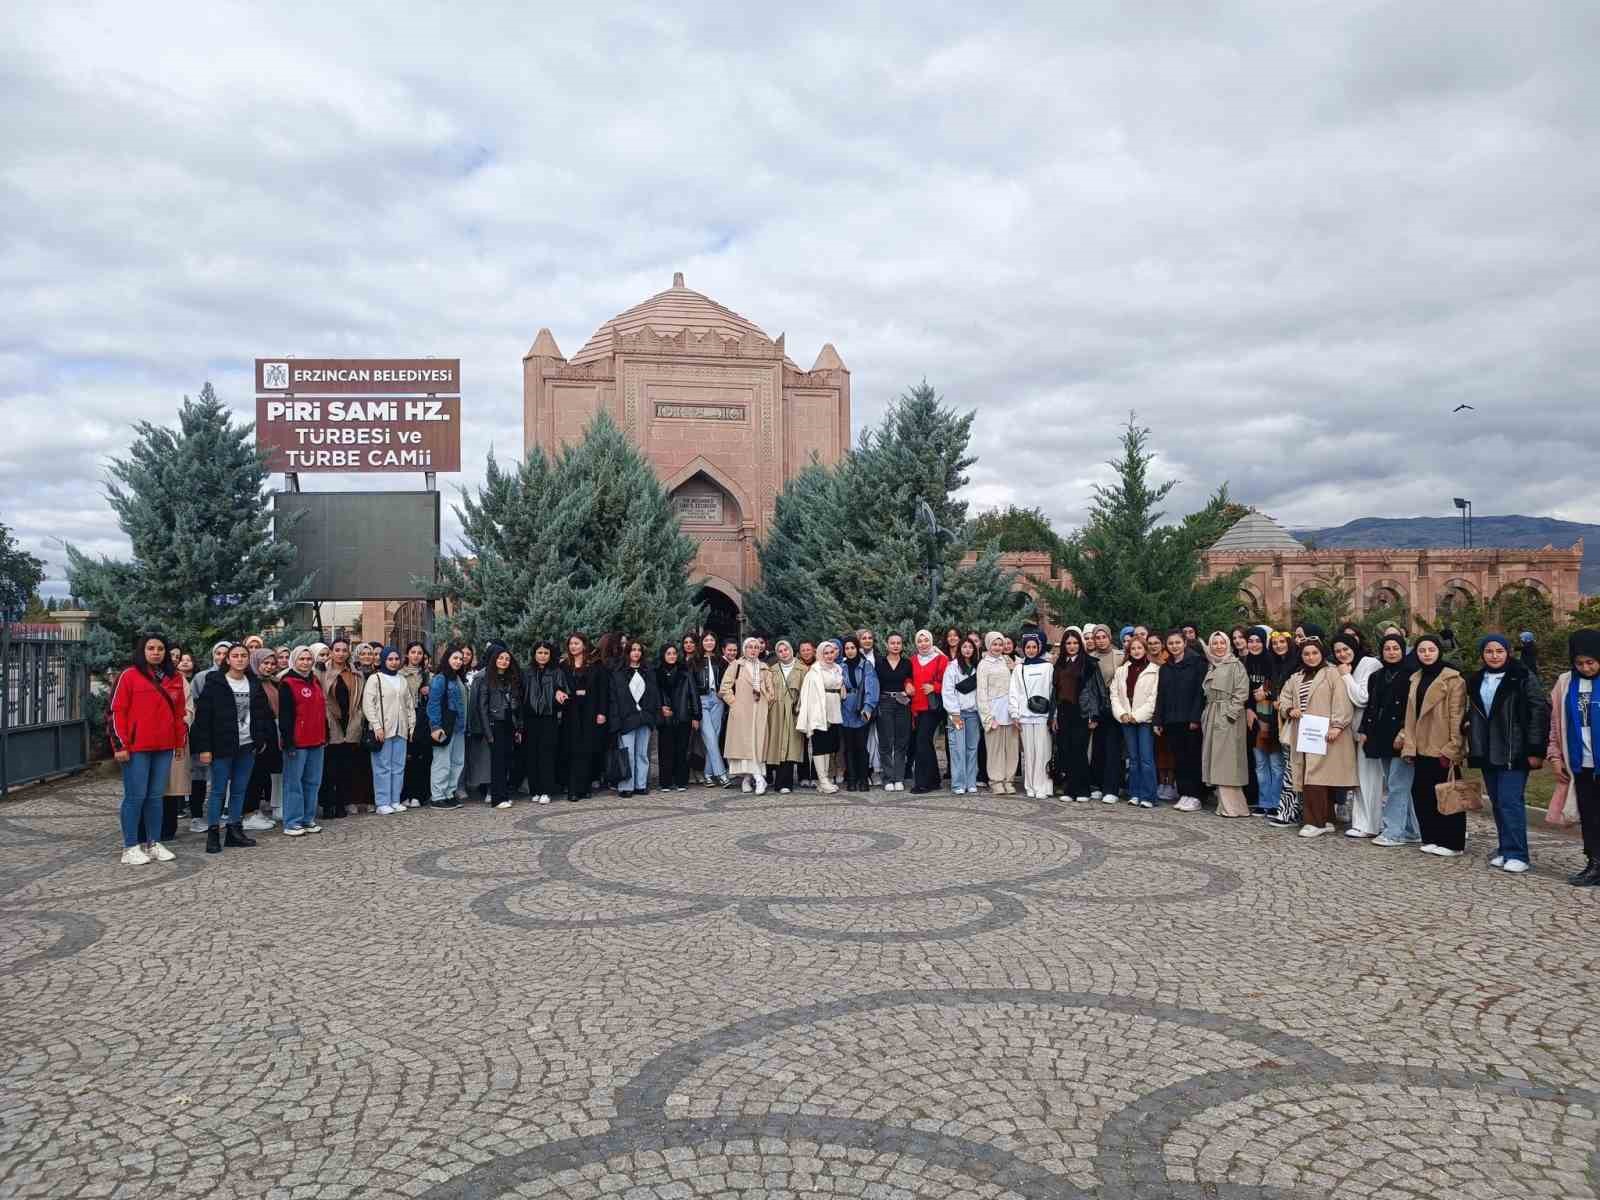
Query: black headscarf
1427	674
1389	674
1356	648
1585	642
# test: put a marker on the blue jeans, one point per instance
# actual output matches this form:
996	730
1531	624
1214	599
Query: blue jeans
1399	814
1269	778
636	742
388	772
964	751
448	759
1140	743
1505	787
229	777
712	713
144	782
302	780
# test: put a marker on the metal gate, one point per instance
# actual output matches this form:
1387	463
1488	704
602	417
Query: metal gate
44	705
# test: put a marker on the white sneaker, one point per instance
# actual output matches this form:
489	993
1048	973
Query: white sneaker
1188	804
1311	831
1514	866
1356	833
783	791
413	803
198	825
1095	795
1143	803
161	854
1084	799
256	823
827	788
504	804
958	791
761	785
1107	799
1380	840
134	856
1499	860
544	799
313	828
1429	848
384	810
1442	852
294	833
1133	802
747	785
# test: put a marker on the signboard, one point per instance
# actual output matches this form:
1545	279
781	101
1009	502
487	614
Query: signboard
360	545
666	410
306	433
359	376
701	508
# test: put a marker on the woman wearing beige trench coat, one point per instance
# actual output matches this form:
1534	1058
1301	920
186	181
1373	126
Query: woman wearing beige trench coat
1318	690
746	690
1223	733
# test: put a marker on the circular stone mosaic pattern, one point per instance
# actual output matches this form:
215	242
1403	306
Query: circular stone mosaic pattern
714	995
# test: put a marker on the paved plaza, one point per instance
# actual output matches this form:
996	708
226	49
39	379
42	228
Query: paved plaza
710	994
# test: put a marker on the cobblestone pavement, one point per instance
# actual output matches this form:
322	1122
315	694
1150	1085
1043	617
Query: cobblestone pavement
708	994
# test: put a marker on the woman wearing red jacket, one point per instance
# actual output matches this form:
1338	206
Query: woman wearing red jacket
927	711
148	723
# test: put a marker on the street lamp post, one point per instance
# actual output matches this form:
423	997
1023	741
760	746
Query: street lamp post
1466	521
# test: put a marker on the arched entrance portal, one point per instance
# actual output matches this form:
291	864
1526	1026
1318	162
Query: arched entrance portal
722	614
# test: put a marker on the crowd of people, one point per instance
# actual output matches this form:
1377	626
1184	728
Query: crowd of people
1298	728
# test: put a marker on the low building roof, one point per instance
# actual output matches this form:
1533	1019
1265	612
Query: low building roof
1257	531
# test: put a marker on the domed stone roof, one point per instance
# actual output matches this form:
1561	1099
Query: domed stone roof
1257	531
669	312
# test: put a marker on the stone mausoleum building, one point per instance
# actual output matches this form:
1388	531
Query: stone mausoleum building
718	408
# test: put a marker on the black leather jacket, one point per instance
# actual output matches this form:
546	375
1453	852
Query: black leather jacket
539	691
1516	729
678	692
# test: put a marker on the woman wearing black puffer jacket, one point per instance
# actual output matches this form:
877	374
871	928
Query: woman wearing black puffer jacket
1508	727
680	718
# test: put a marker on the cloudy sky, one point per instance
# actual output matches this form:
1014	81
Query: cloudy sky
1291	236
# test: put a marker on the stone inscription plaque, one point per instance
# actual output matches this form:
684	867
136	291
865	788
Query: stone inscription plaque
700	412
701	508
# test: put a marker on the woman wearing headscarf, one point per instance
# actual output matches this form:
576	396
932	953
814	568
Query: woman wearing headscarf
1387	691
583	693
960	693
858	704
1356	667
1030	700
994	710
414	787
1134	690
494	724
264	793
540	722
1283	658
1223	729
302	737
1079	705
1574	743
927	711
1508	729
1431	740
680	718
746	691
342	778
1316	690
1106	750
1261	722
386	706
447	723
821	714
786	745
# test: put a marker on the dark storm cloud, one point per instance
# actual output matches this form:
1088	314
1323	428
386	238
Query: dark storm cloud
1291	237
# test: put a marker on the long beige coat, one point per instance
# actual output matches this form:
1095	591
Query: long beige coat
745	691
784	742
1336	768
1223	750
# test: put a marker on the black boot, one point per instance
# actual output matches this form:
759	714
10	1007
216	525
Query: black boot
213	840
236	836
1588	877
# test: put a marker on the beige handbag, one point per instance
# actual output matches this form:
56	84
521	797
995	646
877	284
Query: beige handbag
1457	795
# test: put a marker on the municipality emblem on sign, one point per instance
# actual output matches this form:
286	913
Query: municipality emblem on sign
275	375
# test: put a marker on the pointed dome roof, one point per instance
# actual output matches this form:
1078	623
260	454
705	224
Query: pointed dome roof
668	312
1257	531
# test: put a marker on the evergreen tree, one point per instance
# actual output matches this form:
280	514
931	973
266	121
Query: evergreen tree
20	576
1013	528
585	543
206	565
846	547
1128	566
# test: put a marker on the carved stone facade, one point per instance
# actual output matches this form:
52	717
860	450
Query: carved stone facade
720	411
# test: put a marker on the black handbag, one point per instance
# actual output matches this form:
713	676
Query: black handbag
1038	704
369	740
618	766
967	684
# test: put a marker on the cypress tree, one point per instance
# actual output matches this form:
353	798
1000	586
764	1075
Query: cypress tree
846	547
193	501
586	542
